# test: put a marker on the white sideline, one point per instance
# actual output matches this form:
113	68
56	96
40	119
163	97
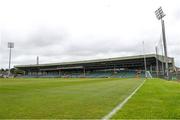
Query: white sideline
120	105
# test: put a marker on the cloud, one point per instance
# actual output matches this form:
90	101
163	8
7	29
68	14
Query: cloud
70	30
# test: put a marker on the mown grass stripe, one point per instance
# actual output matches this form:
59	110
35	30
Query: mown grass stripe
120	105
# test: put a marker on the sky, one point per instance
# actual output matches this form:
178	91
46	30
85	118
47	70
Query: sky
72	30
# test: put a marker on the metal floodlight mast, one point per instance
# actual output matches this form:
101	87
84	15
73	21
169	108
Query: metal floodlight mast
10	46
160	14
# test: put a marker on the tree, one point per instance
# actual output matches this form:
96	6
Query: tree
16	71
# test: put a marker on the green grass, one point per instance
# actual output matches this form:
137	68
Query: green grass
157	99
62	98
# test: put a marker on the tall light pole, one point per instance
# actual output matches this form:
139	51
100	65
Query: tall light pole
145	66
160	14
10	46
162	64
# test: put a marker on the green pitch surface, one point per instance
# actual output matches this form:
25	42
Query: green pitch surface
62	98
157	99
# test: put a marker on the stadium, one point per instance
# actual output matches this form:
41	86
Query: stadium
141	85
131	66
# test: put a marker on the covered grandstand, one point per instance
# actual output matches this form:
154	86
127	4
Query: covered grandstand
120	67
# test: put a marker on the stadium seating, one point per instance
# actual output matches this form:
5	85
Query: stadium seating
94	74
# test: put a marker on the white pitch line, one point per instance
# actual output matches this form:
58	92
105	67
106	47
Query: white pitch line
120	105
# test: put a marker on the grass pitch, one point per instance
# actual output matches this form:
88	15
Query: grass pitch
88	98
62	98
157	99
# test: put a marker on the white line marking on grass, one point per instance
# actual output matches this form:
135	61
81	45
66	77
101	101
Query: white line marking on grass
120	105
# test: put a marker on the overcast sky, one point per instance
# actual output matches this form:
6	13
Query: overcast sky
71	30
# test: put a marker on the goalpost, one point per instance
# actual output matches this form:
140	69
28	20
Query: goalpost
148	74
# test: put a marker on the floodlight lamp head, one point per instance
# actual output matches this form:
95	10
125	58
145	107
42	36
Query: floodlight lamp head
10	45
159	13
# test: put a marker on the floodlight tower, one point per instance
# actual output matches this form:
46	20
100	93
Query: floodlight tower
160	14
10	46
